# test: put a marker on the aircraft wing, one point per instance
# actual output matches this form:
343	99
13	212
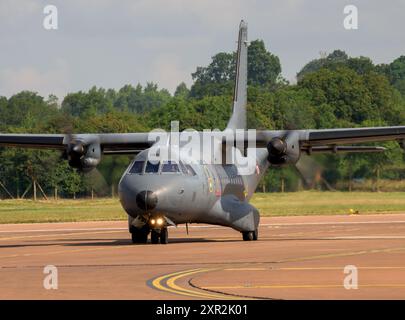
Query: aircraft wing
353	135
322	140
333	140
110	143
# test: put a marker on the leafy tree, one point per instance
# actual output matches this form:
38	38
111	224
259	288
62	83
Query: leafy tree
217	78
199	114
333	91
88	104
26	109
395	71
139	99
263	67
361	65
182	91
336	59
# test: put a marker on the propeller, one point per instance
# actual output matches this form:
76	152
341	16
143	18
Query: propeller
310	170
285	149
277	147
94	180
75	154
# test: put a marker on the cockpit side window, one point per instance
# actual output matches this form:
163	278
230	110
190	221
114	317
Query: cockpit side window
170	167
152	167
137	167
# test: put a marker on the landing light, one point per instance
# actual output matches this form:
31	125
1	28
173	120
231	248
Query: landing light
152	221
159	221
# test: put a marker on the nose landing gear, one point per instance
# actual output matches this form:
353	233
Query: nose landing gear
157	228
160	236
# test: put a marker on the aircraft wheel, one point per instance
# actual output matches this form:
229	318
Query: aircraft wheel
255	235
154	237
164	236
135	237
140	235
248	235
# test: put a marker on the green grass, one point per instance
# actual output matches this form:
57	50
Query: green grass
270	204
27	211
328	203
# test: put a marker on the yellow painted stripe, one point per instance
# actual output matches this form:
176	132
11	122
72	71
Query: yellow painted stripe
246	269
176	289
58	235
339	268
171	283
341	254
48	253
157	282
305	286
172	287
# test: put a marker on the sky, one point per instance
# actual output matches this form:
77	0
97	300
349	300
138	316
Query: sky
110	43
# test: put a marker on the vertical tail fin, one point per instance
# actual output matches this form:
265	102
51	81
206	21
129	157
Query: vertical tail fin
238	118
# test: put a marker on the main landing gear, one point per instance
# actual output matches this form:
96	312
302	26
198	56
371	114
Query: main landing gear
139	235
250	235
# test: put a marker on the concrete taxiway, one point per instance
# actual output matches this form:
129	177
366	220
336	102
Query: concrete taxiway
295	258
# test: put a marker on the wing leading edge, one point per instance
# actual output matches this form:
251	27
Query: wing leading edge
323	140
114	143
332	140
353	135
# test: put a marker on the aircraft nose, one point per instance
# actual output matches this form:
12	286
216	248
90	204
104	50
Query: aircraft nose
146	200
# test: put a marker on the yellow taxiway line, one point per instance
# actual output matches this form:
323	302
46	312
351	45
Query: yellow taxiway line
303	286
171	286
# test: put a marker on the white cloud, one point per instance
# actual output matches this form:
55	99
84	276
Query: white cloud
212	13
168	72
13	11
110	43
54	80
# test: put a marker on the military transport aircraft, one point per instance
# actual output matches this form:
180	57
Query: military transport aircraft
156	195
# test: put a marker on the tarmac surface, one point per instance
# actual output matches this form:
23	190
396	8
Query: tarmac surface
294	258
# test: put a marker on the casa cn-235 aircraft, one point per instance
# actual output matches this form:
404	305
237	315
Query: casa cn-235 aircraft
168	193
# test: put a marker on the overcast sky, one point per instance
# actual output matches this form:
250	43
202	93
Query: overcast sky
111	43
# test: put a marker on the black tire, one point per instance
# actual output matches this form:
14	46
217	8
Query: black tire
247	236
154	237
164	236
143	237
255	235
134	237
140	235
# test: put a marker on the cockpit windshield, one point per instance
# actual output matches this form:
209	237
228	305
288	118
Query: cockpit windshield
152	167
170	167
137	167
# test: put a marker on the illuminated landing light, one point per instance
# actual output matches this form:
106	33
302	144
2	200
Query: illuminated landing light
159	221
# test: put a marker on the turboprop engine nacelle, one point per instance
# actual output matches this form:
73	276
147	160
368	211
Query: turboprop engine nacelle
284	150
83	155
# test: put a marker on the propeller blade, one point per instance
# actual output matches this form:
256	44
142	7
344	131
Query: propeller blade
96	181
309	169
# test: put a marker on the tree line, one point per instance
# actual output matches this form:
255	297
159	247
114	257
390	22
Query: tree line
332	91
